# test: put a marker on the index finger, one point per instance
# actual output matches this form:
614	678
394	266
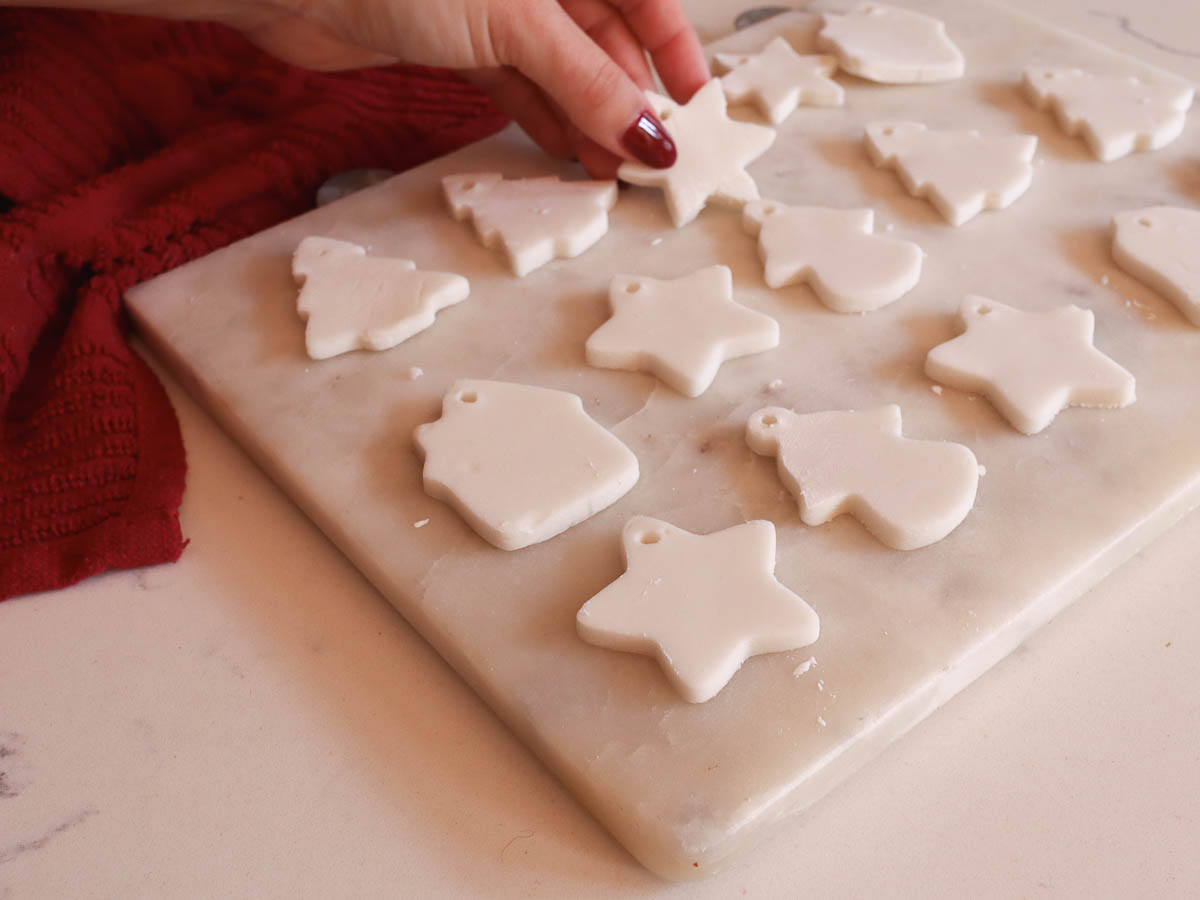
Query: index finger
664	30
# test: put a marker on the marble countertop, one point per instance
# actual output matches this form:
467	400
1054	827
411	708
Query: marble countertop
256	721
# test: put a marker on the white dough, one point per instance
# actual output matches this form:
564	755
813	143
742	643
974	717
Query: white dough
519	463
354	302
779	79
850	268
890	45
1030	365
534	220
713	152
1115	114
961	173
1160	246
701	604
681	330
908	493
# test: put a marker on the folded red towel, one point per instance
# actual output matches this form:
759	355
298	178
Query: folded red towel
128	146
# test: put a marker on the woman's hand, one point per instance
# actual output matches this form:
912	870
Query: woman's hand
571	72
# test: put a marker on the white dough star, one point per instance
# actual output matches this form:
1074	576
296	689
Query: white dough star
701	604
352	301
779	79
713	152
1030	365
681	330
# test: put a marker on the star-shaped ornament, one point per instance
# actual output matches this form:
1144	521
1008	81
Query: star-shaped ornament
779	79
713	152
1030	365
701	604
680	330
355	302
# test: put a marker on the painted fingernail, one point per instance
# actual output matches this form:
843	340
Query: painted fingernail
648	142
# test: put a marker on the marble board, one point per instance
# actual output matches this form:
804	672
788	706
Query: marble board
683	786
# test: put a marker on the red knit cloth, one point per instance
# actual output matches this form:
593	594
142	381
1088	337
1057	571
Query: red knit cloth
128	146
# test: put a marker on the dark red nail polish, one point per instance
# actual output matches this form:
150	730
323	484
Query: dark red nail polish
649	143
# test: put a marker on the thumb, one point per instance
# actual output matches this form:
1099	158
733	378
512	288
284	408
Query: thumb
594	92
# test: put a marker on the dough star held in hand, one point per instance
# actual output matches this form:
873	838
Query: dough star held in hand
681	330
355	302
701	604
1030	365
534	220
850	268
907	493
713	152
779	79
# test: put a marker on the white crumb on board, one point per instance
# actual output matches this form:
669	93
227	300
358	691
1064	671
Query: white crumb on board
936	388
420	523
804	666
415	372
982	470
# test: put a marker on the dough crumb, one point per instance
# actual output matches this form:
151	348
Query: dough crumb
656	242
937	389
776	384
1104	279
415	372
804	666
421	523
982	471
821	721
821	684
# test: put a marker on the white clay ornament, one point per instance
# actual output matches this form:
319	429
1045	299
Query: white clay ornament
1159	246
851	269
519	463
533	220
891	45
961	173
779	79
712	154
352	301
680	330
700	604
1115	114
1030	366
908	493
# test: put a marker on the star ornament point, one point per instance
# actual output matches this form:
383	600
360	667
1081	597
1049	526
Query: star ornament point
701	604
681	330
713	152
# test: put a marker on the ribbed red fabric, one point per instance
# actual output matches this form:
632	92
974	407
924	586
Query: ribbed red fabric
128	146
